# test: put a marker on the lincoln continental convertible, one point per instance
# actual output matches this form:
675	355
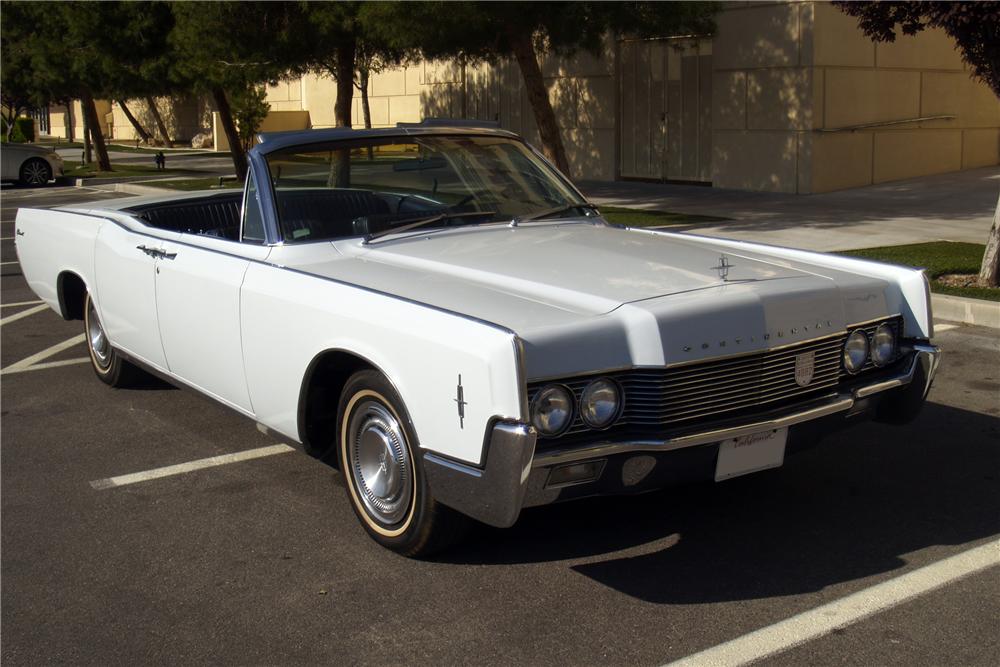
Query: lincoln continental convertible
439	313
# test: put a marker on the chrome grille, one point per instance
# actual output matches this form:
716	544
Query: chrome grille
683	396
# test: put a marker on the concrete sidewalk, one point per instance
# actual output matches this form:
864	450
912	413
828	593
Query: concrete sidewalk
955	207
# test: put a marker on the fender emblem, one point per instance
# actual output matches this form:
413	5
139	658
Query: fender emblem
460	400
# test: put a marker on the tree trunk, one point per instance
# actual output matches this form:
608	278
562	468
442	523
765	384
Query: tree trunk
366	109
151	103
140	130
69	120
344	74
989	273
88	154
8	118
235	146
538	96
94	130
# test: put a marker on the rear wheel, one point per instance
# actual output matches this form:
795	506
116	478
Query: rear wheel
383	471
108	365
36	171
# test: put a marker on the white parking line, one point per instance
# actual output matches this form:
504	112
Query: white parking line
858	606
24	313
180	468
50	364
944	327
20	303
28	362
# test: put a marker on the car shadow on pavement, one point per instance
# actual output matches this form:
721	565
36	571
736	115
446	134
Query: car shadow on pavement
853	507
149	382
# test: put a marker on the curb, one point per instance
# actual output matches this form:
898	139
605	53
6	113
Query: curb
98	182
139	189
967	311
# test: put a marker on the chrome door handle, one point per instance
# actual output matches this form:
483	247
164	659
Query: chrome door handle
156	252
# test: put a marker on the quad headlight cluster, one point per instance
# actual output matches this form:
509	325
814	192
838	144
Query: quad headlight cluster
859	348
554	405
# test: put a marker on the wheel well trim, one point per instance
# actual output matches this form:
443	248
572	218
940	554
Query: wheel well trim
64	306
307	381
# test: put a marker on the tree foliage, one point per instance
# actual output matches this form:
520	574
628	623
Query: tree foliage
975	27
338	42
524	31
226	48
250	108
17	91
56	52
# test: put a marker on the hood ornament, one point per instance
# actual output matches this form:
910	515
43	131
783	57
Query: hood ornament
723	268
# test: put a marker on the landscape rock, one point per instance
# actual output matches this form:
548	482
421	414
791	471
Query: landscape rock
202	140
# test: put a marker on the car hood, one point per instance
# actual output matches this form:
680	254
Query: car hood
616	298
579	267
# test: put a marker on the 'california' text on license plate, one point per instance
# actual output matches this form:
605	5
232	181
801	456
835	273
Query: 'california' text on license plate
750	453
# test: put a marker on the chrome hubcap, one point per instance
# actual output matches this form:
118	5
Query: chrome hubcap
98	341
380	463
36	173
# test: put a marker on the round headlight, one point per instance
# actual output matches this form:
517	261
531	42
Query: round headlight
855	351
552	409
600	403
883	345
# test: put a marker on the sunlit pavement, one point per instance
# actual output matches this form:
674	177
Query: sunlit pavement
957	206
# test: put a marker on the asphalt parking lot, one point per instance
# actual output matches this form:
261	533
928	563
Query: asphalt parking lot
262	561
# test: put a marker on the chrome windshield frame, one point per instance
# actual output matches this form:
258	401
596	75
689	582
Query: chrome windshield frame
276	143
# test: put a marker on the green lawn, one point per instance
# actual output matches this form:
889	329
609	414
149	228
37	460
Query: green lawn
126	148
74	169
121	148
637	217
939	258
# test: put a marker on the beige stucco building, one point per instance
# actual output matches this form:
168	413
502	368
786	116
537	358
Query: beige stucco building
786	97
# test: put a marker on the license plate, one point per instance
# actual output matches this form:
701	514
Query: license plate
750	453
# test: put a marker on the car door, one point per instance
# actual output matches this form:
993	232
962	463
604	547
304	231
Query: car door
124	261
198	281
8	156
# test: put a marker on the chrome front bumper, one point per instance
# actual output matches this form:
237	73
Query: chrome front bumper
495	493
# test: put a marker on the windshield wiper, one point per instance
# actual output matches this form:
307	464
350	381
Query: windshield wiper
550	212
414	223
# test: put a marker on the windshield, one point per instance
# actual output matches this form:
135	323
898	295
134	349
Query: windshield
368	187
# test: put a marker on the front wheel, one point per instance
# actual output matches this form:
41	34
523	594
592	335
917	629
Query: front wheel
383	471
108	365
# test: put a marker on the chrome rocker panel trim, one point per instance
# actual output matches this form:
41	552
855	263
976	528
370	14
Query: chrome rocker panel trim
494	494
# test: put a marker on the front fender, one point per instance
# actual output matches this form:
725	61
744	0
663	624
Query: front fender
288	318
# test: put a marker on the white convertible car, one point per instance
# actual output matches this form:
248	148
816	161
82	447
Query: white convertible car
441	314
